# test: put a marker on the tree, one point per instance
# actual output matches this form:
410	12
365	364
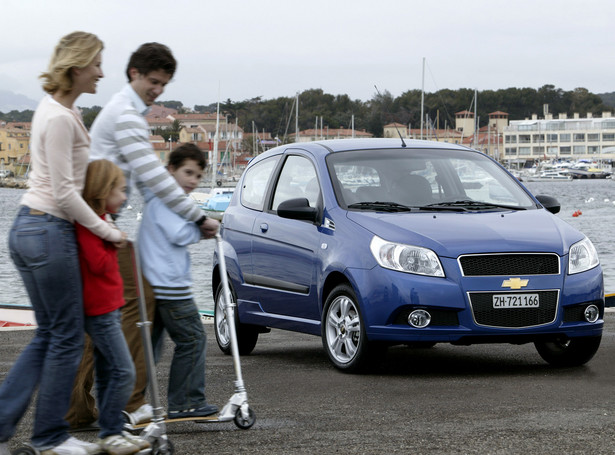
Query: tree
89	114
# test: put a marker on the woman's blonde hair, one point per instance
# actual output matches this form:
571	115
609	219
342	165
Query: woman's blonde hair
75	50
101	177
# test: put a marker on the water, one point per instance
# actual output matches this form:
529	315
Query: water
13	291
594	198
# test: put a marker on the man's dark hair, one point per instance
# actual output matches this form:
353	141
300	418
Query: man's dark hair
185	152
152	57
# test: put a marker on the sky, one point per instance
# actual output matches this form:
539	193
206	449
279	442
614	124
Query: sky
242	49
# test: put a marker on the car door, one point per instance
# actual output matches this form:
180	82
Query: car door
284	251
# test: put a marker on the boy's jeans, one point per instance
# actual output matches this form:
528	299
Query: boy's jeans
182	321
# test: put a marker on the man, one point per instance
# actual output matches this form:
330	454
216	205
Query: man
120	134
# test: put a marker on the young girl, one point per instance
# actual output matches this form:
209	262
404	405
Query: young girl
105	192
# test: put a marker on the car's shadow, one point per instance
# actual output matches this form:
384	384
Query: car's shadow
442	359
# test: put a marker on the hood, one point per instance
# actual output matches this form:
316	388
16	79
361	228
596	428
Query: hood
451	234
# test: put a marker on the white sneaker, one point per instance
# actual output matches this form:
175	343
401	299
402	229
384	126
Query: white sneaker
4	448
144	414
72	446
136	440
118	445
90	448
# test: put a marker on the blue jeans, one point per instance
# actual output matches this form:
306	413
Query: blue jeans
115	372
44	251
182	321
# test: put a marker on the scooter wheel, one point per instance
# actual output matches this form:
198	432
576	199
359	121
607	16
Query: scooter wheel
25	449
246	423
156	450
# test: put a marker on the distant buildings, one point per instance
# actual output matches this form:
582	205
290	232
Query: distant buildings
516	141
560	138
14	146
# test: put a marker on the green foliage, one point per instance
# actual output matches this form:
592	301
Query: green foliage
89	114
17	116
277	116
608	99
172	104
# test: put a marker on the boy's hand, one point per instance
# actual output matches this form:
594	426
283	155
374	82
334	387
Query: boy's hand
209	228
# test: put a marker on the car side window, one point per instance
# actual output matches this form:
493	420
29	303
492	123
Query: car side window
297	179
254	187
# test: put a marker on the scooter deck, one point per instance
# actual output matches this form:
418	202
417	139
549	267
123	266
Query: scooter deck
92	427
211	418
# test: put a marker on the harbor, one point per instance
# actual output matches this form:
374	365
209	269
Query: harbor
595	199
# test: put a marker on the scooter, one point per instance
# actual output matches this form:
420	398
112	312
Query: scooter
236	409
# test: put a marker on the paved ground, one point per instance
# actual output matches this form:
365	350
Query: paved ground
492	399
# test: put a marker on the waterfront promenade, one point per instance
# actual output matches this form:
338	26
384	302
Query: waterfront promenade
492	399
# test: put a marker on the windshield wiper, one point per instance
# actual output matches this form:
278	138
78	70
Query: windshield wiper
467	204
382	206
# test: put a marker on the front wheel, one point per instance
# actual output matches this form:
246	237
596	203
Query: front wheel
568	352
25	449
247	335
343	333
245	423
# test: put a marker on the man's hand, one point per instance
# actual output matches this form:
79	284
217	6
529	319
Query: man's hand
209	228
122	243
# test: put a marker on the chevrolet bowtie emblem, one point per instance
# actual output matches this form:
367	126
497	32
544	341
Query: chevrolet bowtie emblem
515	283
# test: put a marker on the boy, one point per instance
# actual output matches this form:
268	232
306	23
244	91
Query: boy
163	240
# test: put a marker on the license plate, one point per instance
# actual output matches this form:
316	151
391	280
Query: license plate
516	301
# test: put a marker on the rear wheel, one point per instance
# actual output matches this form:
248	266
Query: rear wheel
247	335
568	352
343	333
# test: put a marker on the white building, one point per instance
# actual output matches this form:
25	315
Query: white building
560	138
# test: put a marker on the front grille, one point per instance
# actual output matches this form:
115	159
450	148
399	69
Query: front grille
485	314
509	264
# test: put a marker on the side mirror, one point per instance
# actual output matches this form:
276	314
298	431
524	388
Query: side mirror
549	203
297	209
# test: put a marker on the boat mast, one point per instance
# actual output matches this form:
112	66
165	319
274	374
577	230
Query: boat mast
475	120
422	97
297	119
214	158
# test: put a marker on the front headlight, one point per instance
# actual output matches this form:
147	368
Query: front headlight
406	258
582	257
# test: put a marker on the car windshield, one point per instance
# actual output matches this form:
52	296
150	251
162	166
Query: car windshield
423	179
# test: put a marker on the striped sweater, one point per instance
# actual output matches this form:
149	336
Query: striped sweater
120	134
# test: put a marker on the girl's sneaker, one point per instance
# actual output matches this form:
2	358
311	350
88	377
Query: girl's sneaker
117	444
73	446
136	440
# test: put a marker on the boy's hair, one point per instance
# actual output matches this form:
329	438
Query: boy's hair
101	177
75	50
152	57
185	152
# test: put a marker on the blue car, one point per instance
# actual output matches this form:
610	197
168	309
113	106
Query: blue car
369	243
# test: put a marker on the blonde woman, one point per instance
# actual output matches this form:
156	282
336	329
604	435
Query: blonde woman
43	247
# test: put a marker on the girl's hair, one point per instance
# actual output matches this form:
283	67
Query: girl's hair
75	50
101	177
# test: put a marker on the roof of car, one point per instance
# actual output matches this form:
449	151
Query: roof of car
337	145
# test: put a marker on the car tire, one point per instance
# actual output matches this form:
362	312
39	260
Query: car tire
568	352
247	335
343	333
